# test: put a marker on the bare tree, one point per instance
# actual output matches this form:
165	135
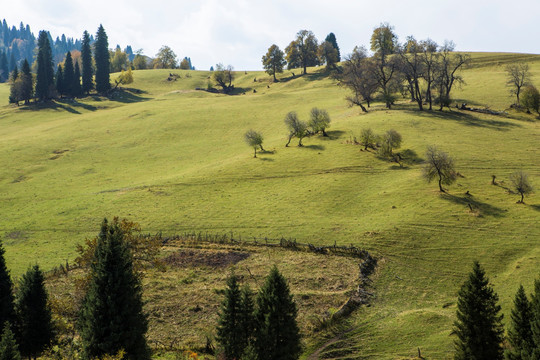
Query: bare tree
296	127
319	121
254	139
446	74
384	44
518	75
439	165
520	183
430	59
412	67
357	75
224	76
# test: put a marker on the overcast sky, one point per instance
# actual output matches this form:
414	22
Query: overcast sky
238	32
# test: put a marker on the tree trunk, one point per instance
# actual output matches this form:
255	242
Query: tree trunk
261	147
522	201
300	142
324	133
255	155
440	184
290	138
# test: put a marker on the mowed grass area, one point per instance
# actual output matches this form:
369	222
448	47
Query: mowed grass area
173	159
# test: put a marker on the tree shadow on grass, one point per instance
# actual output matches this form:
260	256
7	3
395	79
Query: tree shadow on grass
466	119
476	205
334	134
535	207
314	147
127	95
52	105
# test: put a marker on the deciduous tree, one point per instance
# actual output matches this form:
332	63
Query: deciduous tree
439	165
303	50
297	128
478	326
530	98
383	44
331	38
518	76
223	77
165	58
319	121
447	72
254	140
139	62
273	61
328	55
358	75
520	184
368	138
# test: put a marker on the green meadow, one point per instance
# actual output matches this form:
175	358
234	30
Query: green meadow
173	159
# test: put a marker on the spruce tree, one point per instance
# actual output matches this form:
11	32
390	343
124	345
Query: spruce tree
520	334
8	346
229	321
101	56
35	326
14	88
60	81
111	316
69	75
478	327
7	310
247	316
27	84
4	67
331	38
86	60
77	90
276	332
535	321
45	72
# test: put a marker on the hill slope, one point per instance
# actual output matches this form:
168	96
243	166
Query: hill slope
173	159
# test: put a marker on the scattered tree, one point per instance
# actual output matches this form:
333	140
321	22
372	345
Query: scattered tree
45	72
412	67
184	64
446	74
35	326
111	316
86	61
358	76
276	332
223	77
328	55
165	58
101	56
125	77
520	332
303	50
391	140
530	98
254	139
274	61
518	76
439	165
331	38
520	184
383	44
319	121
478	326
14	87
7	309
119	60
8	346
139	62
430	58
296	127
368	139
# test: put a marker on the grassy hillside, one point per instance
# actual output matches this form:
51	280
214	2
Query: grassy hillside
173	159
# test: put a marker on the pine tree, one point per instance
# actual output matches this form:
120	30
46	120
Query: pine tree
228	324
101	55
27	84
520	334
276	332
331	38
45	72
86	59
8	346
69	75
77	90
535	321
35	326
478	327
111	316
7	310
14	87
60	81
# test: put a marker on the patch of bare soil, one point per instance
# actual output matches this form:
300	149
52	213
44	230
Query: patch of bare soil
215	259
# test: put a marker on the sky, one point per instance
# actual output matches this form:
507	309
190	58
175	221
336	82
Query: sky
239	32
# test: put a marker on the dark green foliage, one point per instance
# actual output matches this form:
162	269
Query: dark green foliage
4	67
331	38
274	61
101	56
111	316
69	75
235	320
8	346
276	332
478	327
14	87
86	60
35	326
520	334
27	83
76	88
44	79
535	320
60	80
7	310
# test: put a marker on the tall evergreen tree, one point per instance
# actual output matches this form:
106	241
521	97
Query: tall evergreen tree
4	67
12	62
331	38
7	310
111	316
276	332
535	321
27	83
45	72
478	327
77	89
35	326
14	87
520	334
8	346
69	75
60	81
228	331
101	56
86	59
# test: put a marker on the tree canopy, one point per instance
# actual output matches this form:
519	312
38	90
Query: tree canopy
274	61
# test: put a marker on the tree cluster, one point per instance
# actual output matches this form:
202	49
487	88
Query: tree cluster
265	329
424	70
319	121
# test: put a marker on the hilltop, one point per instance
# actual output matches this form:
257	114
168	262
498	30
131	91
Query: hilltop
173	159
